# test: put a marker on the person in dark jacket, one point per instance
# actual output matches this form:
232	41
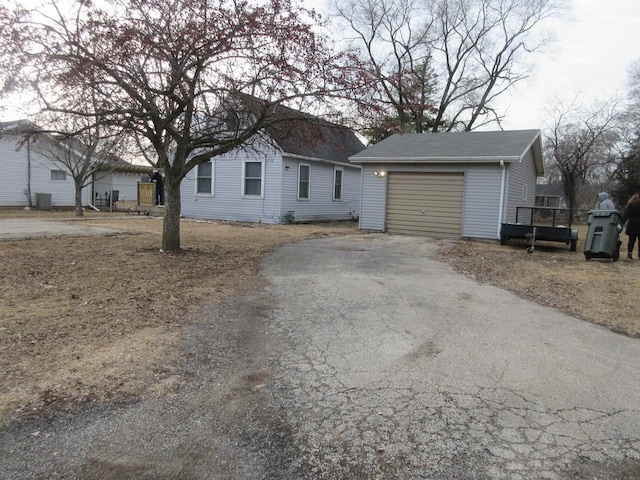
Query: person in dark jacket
157	178
631	216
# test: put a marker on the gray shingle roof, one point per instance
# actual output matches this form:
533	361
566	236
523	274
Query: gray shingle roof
304	135
454	147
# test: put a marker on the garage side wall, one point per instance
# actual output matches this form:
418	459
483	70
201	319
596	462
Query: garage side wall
521	186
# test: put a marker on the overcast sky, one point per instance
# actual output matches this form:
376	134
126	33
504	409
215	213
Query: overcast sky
594	45
591	54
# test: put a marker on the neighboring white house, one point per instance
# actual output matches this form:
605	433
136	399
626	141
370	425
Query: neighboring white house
462	184
28	175
295	173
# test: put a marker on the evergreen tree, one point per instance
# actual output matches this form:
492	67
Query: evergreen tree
628	175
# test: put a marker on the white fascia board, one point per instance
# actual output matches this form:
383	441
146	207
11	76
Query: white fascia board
320	160
434	159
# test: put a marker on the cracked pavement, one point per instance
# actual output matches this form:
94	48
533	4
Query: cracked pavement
404	369
363	357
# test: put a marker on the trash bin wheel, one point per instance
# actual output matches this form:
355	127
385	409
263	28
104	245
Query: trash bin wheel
587	255
616	255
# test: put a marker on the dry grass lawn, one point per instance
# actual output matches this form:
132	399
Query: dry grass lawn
96	318
86	319
599	290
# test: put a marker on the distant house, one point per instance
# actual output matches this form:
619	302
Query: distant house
295	171
28	176
31	176
462	184
550	196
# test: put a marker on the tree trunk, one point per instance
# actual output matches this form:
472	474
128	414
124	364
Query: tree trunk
171	224
79	211
569	184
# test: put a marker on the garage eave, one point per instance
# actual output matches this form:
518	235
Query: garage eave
434	159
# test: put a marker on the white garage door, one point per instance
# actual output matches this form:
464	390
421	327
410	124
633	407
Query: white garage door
425	203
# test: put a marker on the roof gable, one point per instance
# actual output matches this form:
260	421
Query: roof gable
456	147
300	134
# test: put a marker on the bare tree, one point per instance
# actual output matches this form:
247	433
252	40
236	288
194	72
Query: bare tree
581	144
8	66
171	73
475	50
83	151
631	111
627	174
633	97
395	41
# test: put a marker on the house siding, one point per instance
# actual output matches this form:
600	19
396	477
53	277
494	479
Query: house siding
519	175
227	202
14	176
320	205
482	201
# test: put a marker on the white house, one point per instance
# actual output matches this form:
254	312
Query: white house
28	175
297	172
463	184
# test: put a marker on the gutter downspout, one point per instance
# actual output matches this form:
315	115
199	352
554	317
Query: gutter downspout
502	193
29	172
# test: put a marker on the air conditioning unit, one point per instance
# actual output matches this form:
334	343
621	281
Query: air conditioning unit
43	201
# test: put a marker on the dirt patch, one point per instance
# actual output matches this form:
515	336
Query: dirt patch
92	319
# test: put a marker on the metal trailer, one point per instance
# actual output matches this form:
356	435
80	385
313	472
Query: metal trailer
541	223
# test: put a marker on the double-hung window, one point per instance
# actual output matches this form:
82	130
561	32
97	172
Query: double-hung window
204	178
303	182
337	183
60	175
252	184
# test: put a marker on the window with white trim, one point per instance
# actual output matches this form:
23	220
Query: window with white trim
59	175
204	178
337	183
253	172
303	182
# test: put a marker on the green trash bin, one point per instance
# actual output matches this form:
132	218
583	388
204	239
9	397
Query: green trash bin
603	236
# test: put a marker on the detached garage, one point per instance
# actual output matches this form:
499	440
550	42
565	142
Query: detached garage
462	184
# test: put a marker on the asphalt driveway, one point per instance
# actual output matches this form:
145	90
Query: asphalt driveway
363	357
413	371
